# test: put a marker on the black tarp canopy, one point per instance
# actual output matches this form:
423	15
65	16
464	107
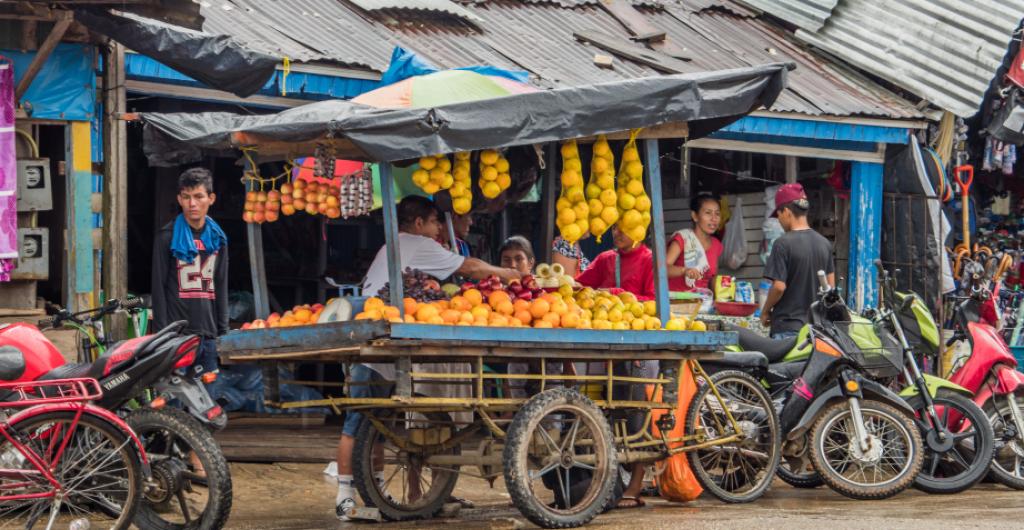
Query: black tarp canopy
702	102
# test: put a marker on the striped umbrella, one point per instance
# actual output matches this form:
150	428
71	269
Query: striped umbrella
442	88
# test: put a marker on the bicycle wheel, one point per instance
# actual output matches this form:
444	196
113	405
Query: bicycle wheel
99	471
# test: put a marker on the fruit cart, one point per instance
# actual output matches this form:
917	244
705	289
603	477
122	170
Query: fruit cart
558	450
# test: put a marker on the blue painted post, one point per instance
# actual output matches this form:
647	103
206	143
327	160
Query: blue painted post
387	196
653	174
865	233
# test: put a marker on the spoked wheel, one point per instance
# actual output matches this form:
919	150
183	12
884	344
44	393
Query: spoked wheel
796	468
397	480
887	466
191	484
560	461
737	471
958	458
99	471
1008	461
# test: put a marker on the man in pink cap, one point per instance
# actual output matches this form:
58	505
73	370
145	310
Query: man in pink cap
793	265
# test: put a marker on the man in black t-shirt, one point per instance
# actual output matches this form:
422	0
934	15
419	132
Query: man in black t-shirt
190	268
793	265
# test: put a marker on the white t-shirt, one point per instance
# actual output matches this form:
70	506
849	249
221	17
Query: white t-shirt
417	252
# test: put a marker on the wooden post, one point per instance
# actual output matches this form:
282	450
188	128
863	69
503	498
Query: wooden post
547	217
115	186
792	168
653	173
79	259
387	195
64	21
257	266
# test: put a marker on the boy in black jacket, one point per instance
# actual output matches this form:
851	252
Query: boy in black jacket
190	268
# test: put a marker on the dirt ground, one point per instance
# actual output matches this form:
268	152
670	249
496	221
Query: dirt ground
294	497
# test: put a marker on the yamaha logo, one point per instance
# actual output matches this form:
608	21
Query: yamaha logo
107	385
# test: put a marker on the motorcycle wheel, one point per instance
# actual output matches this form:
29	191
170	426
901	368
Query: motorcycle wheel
740	471
798	471
180	498
960	463
888	467
1008	461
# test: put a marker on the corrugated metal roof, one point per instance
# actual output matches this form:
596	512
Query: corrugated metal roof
806	14
946	51
431	6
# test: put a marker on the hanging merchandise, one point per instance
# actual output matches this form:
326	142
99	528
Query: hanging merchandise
434	174
600	191
573	214
735	244
261	204
494	173
462	189
634	204
356	194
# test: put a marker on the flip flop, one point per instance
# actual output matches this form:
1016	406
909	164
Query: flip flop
631	503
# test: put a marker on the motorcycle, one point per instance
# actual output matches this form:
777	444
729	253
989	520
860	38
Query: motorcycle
856	434
142	380
990	371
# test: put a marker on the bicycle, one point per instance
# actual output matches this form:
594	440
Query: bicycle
61	453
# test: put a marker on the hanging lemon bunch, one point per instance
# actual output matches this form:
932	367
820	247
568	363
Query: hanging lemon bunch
462	189
494	173
572	210
601	197
434	174
633	202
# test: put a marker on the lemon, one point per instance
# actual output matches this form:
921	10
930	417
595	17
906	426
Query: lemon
615	315
626	297
562	204
488	173
637	324
600	314
598	165
675	324
444	164
566	216
698	325
501	165
637	309
608	197
595	206
575	194
462	155
601	324
488	157
568	150
626	202
461	172
653	323
630	154
638	234
609	216
428	163
461	205
602	149
635	187
431	188
420	177
598	227
447	181
570	178
572	164
583	224
571	232
606	181
631	219
643	203
634	169
620	326
437	175
490	190
504	180
581	209
458	189
647	218
650	308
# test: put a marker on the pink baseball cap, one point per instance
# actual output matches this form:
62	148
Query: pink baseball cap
788	193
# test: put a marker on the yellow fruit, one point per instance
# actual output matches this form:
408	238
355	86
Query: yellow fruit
489	173
637	309
488	157
595	206
597	226
698	325
608	197
650	308
504	180
631	219
609	216
572	164
431	188
600	314
581	209
620	326
461	205
571	178
569	150
606	181
501	165
572	232
638	234
647	218
635	187
653	323
437	175
627	297
491	190
461	171
447	181
675	324
601	148
643	204
593	191
562	204
583	224
626	202
615	315
637	324
575	194
444	164
457	189
599	165
420	177
428	163
602	324
462	155
634	169
630	154
566	216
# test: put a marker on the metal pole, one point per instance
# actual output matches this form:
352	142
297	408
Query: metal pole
550	179
451	232
653	174
257	265
387	194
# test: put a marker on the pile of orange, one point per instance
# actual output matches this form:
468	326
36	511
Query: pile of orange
300	315
471	308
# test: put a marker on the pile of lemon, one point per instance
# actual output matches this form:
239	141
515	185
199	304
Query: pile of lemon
600	192
494	173
462	188
571	207
434	174
633	203
623	311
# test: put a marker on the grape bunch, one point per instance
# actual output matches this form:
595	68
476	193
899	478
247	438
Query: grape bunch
417	285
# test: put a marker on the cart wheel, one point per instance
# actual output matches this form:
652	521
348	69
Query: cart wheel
739	471
560	462
397	481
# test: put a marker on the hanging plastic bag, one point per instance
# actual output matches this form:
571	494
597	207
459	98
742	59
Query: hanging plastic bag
735	244
677	482
772	231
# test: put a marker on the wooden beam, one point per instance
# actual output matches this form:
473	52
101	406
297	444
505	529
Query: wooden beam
28	35
64	21
624	48
793	150
115	185
642	30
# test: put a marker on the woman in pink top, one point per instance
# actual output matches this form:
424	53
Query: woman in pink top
693	253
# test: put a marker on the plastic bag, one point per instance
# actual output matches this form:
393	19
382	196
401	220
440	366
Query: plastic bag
677	482
772	231
735	244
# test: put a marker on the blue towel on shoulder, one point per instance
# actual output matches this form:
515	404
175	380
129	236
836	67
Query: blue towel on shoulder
183	244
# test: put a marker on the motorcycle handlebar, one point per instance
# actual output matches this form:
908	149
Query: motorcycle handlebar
132	303
46	322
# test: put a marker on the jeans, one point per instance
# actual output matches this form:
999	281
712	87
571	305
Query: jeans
206	357
362	374
784	335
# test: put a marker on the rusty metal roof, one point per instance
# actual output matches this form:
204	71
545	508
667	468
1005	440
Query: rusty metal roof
805	14
430	6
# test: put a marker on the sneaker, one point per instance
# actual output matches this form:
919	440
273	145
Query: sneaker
342	508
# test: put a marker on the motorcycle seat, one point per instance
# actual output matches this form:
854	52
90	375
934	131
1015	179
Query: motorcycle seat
69	371
743	359
773	349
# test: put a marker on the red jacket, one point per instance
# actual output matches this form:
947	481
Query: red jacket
636	272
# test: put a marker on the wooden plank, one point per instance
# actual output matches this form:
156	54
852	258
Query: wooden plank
580	337
64	20
653	175
115	185
639	26
243	420
633	52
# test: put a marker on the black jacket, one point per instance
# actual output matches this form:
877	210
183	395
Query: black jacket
196	292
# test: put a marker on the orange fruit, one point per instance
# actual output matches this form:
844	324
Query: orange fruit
474	297
436	320
466	318
391	312
524	316
410	305
514	323
539	308
498	321
480	321
542	324
410	318
570	320
481	311
554	318
303	315
425	312
361	316
460	303
505	307
497	297
559	307
451	316
521	305
548	297
373	302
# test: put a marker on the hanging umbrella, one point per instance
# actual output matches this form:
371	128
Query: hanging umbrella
442	88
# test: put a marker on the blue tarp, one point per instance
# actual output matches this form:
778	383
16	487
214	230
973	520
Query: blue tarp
65	88
405	64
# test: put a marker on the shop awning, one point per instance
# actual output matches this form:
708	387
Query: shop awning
703	102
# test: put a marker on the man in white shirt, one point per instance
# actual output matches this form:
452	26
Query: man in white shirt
419	227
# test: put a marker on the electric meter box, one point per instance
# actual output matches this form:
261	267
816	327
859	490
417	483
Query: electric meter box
35	188
33	262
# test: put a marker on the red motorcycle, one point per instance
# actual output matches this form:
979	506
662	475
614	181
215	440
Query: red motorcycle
990	371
